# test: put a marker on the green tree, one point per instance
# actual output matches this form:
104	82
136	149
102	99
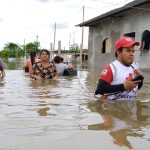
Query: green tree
32	46
16	50
11	46
74	47
12	49
4	54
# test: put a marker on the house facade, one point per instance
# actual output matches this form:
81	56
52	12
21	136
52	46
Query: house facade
130	20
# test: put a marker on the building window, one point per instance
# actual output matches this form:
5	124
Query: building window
106	46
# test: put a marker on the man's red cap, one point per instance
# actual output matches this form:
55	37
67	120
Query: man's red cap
125	42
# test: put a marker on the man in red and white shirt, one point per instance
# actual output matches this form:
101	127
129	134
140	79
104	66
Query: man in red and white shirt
116	80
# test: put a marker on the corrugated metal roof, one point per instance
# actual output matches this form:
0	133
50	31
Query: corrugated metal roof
132	5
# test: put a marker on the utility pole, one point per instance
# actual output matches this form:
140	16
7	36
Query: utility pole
81	48
54	38
73	38
59	48
36	43
51	49
69	42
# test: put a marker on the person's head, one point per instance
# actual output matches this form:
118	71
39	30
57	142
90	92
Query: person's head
145	33
56	59
33	56
44	55
124	50
61	59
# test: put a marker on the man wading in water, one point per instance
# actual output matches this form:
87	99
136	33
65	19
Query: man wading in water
116	80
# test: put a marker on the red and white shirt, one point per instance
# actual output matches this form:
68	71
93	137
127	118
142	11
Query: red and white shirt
117	73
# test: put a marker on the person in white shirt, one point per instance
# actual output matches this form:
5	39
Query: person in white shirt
60	65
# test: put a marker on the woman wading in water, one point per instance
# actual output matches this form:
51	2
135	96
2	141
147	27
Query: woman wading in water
44	69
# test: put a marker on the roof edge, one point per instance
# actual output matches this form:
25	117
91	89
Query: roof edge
108	14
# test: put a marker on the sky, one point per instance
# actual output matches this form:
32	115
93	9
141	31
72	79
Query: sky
24	21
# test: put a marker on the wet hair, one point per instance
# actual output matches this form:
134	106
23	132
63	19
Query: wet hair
45	50
120	50
32	56
57	59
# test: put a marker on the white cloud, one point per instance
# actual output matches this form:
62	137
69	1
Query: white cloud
25	19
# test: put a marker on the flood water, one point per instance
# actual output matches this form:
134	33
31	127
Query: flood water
63	114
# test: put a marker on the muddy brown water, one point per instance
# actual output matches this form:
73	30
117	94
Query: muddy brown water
64	114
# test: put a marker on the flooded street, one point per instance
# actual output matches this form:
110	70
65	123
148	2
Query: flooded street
63	114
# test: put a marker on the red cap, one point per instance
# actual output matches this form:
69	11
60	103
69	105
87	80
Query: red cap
125	42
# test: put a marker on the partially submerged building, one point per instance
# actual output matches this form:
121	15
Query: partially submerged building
130	20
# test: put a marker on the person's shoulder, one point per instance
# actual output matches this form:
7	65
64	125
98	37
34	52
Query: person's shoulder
106	70
107	74
37	63
51	63
135	65
116	62
27	61
63	65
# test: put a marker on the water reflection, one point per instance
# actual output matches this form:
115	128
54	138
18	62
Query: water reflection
32	108
43	83
43	111
2	82
42	89
123	120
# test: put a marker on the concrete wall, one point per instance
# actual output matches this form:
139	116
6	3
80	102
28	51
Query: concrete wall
136	20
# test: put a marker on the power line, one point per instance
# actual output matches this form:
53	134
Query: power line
61	24
110	2
140	8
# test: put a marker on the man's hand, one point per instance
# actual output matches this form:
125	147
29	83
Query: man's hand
137	72
129	84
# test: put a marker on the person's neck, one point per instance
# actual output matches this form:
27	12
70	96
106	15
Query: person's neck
45	62
123	63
